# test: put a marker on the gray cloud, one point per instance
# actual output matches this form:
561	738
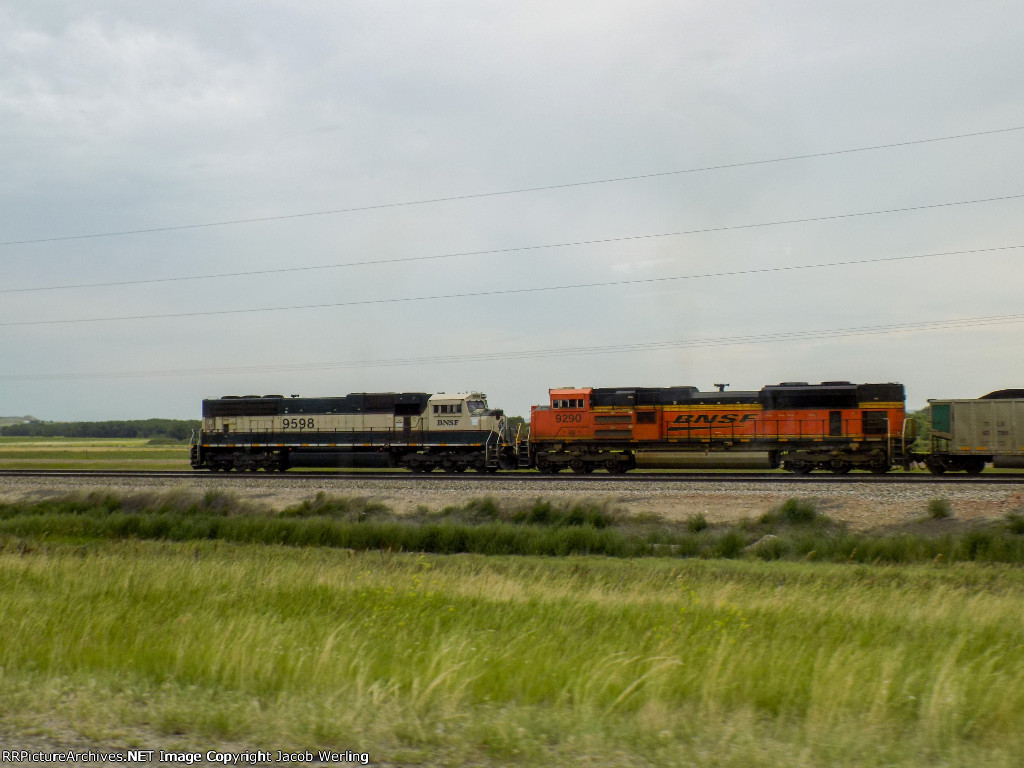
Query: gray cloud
121	116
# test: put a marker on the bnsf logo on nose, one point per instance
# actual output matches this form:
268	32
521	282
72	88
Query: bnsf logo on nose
714	418
447	422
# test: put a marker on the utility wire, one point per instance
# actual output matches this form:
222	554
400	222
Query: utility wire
769	338
511	291
523	190
600	241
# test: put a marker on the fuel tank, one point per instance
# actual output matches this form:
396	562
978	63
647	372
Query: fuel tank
694	460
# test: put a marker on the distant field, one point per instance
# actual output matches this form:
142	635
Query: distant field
90	453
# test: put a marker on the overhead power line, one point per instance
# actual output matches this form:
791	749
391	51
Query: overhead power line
522	190
511	291
492	251
719	341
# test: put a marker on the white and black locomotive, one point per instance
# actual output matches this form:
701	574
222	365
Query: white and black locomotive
412	430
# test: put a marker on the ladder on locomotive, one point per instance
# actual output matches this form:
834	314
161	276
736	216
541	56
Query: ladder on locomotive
522	446
492	449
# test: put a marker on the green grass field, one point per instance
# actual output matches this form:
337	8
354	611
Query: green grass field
149	634
529	661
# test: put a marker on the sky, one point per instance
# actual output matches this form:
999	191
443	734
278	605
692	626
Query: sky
200	199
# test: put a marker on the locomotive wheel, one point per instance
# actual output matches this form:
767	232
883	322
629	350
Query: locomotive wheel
840	467
879	469
935	469
798	467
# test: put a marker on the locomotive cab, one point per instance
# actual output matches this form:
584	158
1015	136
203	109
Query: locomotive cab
462	411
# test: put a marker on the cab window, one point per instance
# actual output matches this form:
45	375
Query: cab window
572	403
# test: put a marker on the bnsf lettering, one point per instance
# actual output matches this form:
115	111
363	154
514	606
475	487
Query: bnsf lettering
714	418
568	418
447	422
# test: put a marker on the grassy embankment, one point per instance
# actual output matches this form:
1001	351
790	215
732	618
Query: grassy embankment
501	660
793	531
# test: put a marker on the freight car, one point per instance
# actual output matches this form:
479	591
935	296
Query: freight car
967	434
414	430
835	425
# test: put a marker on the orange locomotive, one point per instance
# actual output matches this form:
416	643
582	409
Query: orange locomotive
834	425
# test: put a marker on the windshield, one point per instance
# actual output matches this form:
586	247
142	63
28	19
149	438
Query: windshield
476	405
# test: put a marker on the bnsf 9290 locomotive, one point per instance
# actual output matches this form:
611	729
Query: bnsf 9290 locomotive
415	430
835	425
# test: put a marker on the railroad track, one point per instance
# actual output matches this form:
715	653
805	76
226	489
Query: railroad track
902	478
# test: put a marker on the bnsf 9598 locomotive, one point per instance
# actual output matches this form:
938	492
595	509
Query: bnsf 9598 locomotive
834	425
415	430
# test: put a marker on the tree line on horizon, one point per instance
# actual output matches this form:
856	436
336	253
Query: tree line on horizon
175	429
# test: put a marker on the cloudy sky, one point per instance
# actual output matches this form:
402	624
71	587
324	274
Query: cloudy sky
200	199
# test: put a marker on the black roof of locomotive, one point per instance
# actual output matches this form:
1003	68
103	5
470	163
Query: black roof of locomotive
830	394
789	394
356	402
